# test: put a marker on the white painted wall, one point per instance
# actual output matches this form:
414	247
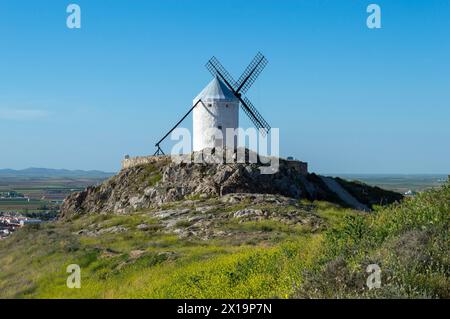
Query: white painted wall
208	116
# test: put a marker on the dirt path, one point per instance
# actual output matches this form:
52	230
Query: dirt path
343	194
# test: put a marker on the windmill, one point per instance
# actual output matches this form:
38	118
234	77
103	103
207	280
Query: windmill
217	106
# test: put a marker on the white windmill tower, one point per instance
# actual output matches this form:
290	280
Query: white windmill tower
216	108
218	111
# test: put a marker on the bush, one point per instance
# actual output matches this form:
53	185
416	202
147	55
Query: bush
408	240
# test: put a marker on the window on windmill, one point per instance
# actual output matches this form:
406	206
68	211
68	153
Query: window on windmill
209	104
219	127
226	105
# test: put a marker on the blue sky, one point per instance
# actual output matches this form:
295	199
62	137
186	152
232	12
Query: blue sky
347	99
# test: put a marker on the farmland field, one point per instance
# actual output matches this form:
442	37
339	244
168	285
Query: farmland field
21	205
45	194
400	182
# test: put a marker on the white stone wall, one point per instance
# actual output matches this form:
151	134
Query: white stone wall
208	116
140	160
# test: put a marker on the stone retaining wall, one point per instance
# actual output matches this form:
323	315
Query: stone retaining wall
300	167
140	160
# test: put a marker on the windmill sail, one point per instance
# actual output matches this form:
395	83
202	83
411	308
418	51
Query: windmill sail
216	69
254	115
251	73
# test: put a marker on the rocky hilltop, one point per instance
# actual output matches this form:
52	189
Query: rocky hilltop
162	181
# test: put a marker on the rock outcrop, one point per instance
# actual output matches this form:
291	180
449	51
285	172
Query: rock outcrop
164	181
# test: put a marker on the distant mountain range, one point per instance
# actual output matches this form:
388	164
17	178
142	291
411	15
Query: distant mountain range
48	172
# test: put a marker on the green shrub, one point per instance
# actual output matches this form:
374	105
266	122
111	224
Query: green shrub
408	240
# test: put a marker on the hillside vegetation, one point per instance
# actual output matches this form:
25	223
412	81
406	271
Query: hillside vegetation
236	246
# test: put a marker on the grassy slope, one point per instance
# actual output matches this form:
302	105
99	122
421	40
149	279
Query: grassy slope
409	241
268	259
